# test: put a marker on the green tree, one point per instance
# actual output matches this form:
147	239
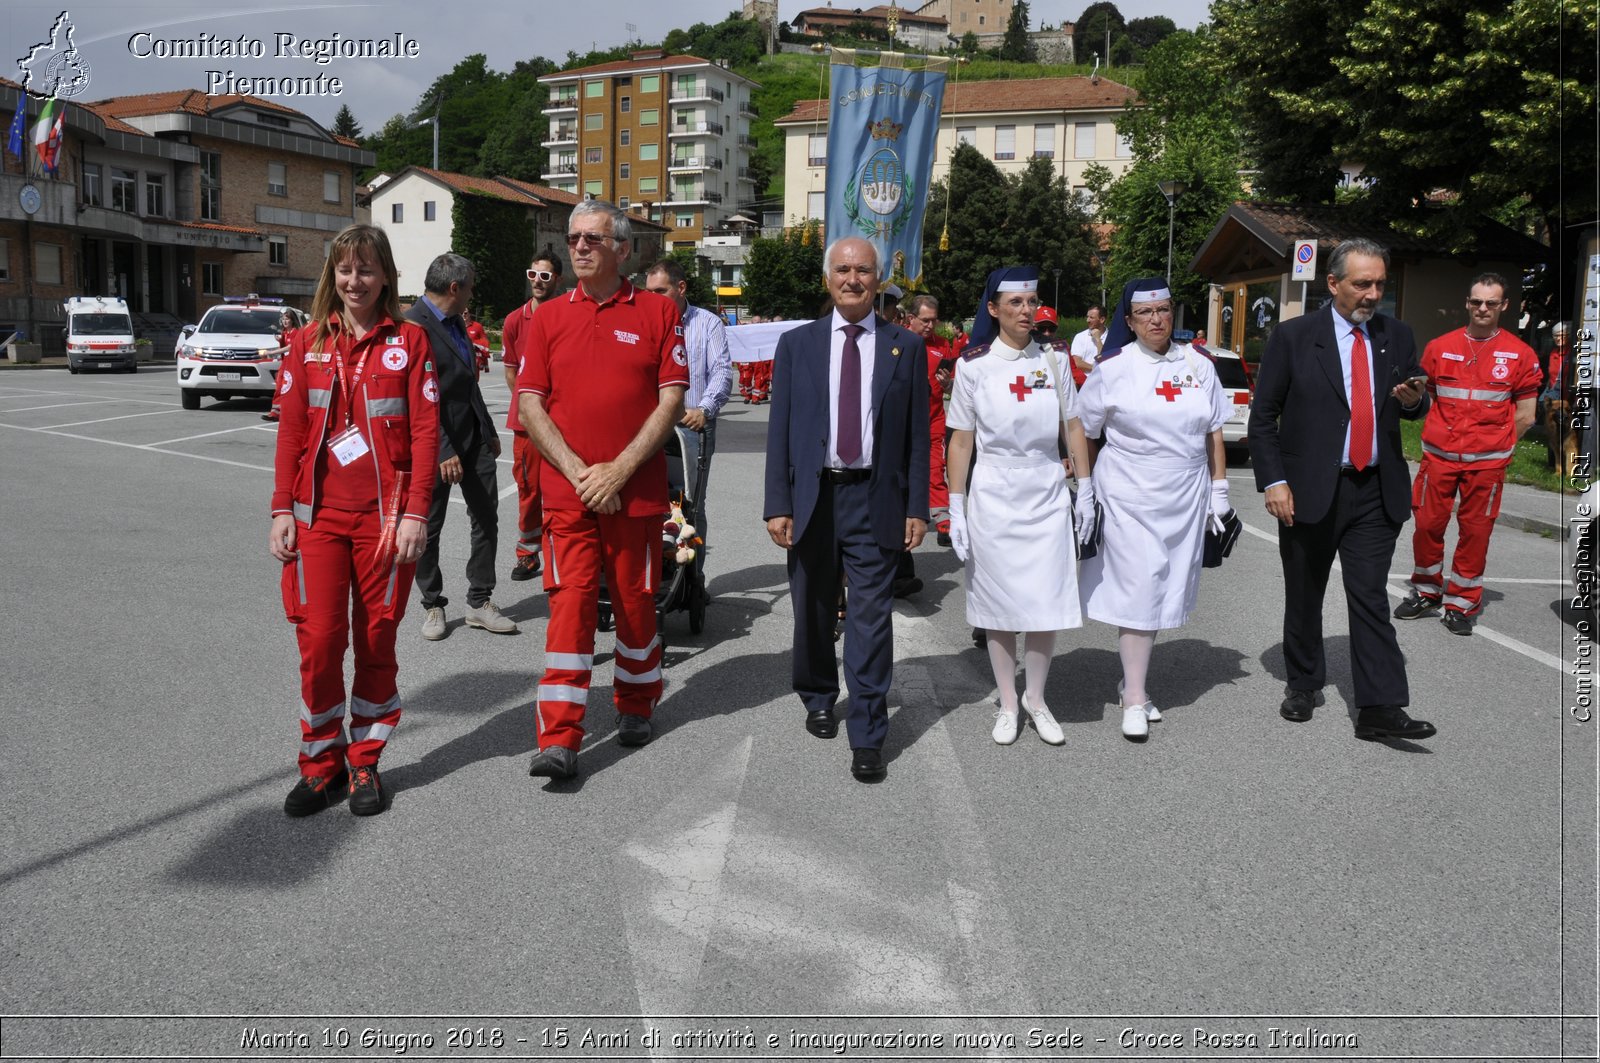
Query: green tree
344	123
1049	228
700	291
979	208
1146	33
497	237
735	39
1016	47
783	274
1089	32
514	147
969	43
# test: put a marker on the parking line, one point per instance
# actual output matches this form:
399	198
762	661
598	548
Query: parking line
204	435
103	420
138	446
57	406
1533	653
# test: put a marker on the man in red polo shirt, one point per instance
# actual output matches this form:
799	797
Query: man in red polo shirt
544	280
603	375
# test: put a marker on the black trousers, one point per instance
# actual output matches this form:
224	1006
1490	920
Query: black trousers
479	488
1359	532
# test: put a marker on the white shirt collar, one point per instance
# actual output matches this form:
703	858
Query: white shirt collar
869	323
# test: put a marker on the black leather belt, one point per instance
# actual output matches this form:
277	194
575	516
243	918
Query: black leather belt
846	476
1351	470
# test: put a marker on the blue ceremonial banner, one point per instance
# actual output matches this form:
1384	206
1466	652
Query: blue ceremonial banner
883	122
18	122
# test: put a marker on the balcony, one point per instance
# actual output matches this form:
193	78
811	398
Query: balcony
695	162
696	129
747	141
745	174
682	196
561	135
698	91
748	109
561	169
561	106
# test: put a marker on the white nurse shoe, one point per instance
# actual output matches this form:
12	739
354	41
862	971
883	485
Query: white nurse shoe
1044	722
1151	713
1006	727
1135	724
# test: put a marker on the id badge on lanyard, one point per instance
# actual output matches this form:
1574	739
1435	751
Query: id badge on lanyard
349	445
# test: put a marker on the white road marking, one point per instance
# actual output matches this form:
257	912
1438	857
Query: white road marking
137	446
1533	653
57	406
103	420
206	435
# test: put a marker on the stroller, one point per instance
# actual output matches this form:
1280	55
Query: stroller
682	585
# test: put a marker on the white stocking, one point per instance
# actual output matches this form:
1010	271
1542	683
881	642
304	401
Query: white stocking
1135	648
1003	659
1038	648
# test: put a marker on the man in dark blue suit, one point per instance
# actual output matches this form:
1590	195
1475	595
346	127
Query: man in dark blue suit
1325	443
847	486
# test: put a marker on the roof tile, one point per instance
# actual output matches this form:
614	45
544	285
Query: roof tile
1004	97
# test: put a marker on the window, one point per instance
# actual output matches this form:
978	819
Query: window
624	81
650	117
47	263
592	156
649	186
967	135
430	210
124	190
685	220
5	259
624	171
1124	148
277	250
277	179
623	202
594	89
155	195
1083	140
330	186
817	149
814	204
980	20
649	83
592	122
92	195
211	278
397	213
593	189
625	137
1044	141
1005	142
649	152
626	104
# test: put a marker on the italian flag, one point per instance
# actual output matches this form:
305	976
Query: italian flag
47	134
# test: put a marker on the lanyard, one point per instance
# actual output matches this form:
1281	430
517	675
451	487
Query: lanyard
349	386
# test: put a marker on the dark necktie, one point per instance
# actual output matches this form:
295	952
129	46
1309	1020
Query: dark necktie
1360	403
849	410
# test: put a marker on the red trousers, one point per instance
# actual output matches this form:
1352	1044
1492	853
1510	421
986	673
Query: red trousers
761	381
938	484
1433	496
747	378
330	594
525	462
577	545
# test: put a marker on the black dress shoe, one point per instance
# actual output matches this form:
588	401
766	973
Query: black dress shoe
866	764
905	588
1391	721
1296	708
821	722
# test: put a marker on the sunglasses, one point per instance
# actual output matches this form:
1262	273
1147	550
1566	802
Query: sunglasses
592	239
1484	304
542	275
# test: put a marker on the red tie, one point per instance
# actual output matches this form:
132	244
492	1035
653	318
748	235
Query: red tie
1360	403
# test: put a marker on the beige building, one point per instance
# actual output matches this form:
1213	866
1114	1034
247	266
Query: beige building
925	32
666	133
970	16
1070	121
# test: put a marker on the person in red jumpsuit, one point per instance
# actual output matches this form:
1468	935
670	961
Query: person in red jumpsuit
479	338
1484	382
544	280
924	320
603	376
353	478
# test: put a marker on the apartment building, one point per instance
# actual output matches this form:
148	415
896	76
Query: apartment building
970	16
1070	121
668	135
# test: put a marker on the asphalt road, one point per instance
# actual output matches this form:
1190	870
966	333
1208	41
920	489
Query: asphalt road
1235	875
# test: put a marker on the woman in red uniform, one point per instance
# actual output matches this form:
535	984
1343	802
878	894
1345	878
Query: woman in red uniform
360	415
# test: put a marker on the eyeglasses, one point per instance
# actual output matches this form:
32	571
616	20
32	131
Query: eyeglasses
544	276
1484	304
1145	313
592	239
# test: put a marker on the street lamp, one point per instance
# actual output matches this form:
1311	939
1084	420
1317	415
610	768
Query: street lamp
1057	271
1172	190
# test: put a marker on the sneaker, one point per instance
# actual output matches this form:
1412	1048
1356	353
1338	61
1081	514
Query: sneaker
1151	713
1135	724
633	730
313	793
367	795
1043	722
1457	623
527	567
1415	605
433	628
1006	727
489	617
554	762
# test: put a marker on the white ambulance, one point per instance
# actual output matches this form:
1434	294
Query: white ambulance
100	334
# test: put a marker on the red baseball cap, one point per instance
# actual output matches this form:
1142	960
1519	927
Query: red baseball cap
1043	314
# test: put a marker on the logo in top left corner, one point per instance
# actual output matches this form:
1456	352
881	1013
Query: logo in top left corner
54	68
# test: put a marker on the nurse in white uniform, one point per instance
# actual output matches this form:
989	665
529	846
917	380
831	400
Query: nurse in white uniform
1160	477
1012	525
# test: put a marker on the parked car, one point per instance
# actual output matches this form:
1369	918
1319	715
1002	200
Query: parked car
1234	376
100	334
235	350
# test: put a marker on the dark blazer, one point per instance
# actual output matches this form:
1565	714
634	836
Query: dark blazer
1300	414
797	431
464	421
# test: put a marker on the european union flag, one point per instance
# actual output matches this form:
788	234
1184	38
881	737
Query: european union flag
14	142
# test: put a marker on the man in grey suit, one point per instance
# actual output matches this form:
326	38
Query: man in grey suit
468	447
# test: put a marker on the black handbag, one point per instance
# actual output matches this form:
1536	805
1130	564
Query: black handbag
1092	547
1220	544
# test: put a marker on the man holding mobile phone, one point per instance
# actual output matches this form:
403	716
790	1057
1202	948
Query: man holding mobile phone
1484	383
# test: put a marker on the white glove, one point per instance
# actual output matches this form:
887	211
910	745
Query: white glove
1083	510
958	527
1219	504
